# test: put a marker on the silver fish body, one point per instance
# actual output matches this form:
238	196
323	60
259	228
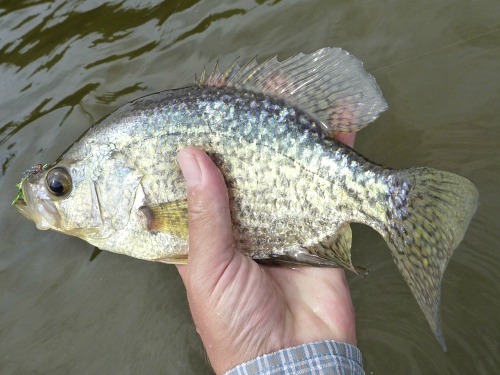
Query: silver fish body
284	174
293	188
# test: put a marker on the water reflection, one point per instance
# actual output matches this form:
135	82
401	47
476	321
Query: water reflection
65	64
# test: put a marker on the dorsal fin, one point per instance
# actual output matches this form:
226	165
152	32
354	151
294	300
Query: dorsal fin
329	84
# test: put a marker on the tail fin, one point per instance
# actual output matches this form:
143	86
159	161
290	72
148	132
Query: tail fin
428	214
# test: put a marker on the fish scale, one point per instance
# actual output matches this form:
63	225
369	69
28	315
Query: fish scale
302	154
293	188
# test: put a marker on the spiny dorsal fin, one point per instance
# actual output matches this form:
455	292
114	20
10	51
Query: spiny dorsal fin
329	84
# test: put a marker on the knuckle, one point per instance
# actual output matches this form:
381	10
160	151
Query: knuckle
199	211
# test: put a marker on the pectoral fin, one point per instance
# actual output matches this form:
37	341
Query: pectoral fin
170	217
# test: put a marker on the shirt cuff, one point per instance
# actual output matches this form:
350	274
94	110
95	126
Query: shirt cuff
320	358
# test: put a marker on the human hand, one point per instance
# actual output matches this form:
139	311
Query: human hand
241	309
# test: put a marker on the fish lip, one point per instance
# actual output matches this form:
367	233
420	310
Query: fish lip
35	204
23	208
32	206
19	202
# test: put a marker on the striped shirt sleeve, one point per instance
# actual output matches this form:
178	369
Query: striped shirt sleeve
318	358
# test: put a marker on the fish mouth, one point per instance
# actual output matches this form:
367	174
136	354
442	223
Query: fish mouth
19	201
22	208
41	211
34	204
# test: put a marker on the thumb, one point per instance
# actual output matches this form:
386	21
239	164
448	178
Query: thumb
210	226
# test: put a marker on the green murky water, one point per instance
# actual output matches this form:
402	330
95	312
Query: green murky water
64	64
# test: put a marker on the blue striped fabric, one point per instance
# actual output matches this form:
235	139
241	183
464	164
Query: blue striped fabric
318	358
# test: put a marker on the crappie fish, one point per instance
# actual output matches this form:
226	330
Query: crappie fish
293	188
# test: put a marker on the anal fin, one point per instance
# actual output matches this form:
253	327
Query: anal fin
338	248
333	251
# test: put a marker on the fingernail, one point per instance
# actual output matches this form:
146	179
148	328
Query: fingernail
190	167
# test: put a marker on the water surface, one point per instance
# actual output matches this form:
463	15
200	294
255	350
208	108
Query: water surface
63	65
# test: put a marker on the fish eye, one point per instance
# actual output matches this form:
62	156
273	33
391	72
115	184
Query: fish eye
59	182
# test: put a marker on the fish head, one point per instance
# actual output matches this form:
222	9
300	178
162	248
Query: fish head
60	197
92	197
